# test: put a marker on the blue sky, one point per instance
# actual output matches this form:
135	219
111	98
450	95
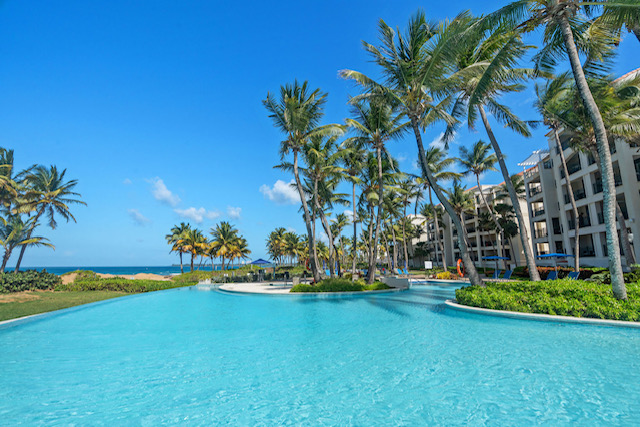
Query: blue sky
155	107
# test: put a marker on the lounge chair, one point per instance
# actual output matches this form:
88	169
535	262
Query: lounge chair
574	275
553	275
327	272
405	271
398	272
496	274
507	274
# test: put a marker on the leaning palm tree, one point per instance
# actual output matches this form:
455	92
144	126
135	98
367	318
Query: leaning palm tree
177	231
337	225
461	200
13	233
224	237
47	193
552	103
414	67
566	32
476	161
485	71
194	243
375	123
297	113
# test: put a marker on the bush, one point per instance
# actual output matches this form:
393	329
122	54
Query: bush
83	275
339	285
446	275
27	281
563	297
118	284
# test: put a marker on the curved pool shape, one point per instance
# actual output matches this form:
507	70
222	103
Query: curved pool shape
198	357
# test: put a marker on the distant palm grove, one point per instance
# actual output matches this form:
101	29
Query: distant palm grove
449	74
225	243
29	198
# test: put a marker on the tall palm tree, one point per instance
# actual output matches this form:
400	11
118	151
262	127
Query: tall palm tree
476	161
462	202
375	123
13	233
194	243
621	13
415	67
353	157
297	113
438	163
551	103
565	28
276	244
485	71
47	193
337	225
177	231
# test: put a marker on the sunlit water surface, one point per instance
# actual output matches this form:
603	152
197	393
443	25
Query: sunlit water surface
206	357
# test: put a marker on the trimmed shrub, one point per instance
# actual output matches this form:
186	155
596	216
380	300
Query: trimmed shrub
446	275
339	285
27	281
563	297
118	284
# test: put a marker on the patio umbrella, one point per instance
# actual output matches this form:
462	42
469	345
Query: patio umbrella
555	257
260	261
496	258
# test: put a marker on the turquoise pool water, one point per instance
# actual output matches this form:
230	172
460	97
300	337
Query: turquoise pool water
205	357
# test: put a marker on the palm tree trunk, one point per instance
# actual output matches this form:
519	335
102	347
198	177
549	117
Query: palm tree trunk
608	185
572	199
395	245
372	250
387	249
315	270
524	234
24	247
5	259
470	268
624	237
355	232
181	267
192	263
327	229
404	240
495	220
371	273
439	243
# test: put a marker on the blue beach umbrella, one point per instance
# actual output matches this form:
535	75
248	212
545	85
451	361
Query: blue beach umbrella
555	257
495	258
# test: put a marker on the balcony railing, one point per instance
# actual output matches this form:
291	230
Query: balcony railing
617	179
577	194
471	229
584	222
600	218
534	190
587	252
538	212
531	172
539	234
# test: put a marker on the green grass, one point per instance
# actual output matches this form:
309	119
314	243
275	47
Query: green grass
49	301
577	298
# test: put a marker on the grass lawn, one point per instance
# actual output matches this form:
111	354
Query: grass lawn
33	302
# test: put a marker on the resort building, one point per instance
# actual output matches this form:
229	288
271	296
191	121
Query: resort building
483	241
550	210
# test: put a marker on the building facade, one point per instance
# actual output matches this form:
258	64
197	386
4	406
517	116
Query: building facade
482	241
550	211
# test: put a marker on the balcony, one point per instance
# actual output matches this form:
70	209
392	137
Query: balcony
539	234
531	172
617	179
587	252
600	218
583	221
577	194
471	229
538	212
534	191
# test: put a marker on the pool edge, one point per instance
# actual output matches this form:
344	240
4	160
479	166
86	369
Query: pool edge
541	317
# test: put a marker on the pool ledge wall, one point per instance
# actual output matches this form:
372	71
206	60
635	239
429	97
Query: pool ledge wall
541	317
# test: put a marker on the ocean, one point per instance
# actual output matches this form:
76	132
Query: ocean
162	270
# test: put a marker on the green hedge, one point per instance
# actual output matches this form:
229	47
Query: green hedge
562	297
27	281
339	285
118	284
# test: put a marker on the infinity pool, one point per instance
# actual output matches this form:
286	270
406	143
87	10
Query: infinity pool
206	357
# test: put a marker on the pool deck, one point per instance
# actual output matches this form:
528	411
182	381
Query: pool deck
274	288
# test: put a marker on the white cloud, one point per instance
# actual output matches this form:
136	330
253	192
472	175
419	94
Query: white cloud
127	181
437	141
234	213
282	193
402	157
137	217
349	214
291	229
197	214
162	193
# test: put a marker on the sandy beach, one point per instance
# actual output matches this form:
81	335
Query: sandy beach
69	278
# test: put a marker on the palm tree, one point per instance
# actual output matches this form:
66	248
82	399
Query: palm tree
564	26
194	243
485	71
47	193
462	202
375	123
13	233
477	161
622	13
353	157
415	67
337	225
224	239
174	237
297	113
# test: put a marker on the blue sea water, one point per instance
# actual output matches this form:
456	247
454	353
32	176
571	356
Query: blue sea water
161	270
194	357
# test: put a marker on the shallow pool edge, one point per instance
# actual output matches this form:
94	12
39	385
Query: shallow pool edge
541	317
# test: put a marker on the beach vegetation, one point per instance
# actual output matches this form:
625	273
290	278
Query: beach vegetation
27	281
118	284
340	285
